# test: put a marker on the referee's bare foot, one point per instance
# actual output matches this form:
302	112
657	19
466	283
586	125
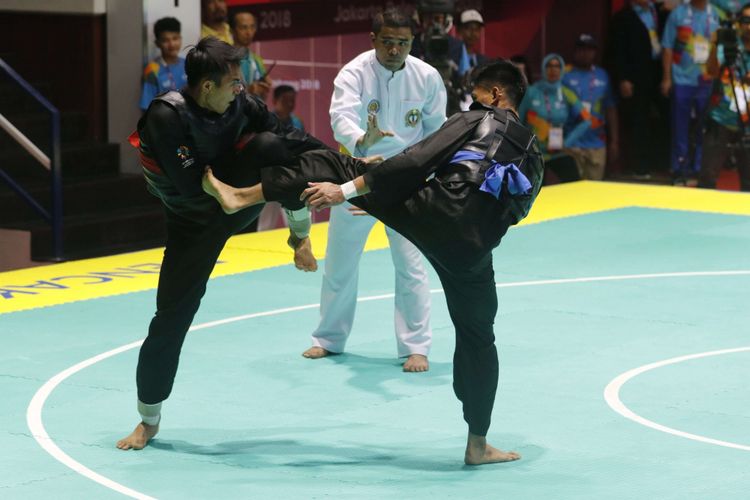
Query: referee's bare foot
139	438
316	352
416	363
478	452
224	193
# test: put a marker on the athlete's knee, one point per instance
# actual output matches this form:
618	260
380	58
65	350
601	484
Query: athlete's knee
267	149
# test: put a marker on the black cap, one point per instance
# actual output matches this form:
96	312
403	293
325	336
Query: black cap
436	6
586	40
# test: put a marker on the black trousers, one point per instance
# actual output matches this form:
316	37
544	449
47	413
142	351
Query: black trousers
564	167
467	276
471	297
192	249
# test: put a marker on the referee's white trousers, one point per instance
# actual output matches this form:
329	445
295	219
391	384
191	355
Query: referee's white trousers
347	235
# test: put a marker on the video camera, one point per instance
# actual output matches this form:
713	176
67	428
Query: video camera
436	44
728	38
436	36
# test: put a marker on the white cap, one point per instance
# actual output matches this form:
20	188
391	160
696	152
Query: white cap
471	16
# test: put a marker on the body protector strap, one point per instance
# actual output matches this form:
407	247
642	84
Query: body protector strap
503	159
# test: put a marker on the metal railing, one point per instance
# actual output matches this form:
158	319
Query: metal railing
54	216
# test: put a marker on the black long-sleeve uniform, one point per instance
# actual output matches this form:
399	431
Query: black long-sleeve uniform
436	203
178	139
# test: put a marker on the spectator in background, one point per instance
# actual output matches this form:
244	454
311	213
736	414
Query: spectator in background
636	51
727	8
546	108
244	26
166	72
284	100
727	123
591	85
470	31
687	41
214	20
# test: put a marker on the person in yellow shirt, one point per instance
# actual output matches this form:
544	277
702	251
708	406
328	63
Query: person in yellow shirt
214	20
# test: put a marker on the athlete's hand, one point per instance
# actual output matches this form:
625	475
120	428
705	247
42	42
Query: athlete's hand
372	160
322	195
373	134
304	260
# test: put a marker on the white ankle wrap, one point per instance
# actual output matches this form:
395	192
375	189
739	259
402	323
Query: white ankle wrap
150	414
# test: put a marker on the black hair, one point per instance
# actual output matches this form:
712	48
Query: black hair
211	58
282	89
504	74
744	7
521	59
391	18
166	24
233	17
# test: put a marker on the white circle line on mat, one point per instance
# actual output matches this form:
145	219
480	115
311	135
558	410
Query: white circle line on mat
36	405
612	397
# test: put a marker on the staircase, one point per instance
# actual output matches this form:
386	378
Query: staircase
105	212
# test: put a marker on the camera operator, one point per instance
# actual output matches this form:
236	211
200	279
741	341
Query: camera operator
437	48
728	121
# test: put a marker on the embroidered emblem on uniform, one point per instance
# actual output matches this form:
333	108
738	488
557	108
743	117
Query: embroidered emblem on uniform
373	107
183	154
412	117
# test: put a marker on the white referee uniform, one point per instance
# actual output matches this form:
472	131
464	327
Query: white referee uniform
410	103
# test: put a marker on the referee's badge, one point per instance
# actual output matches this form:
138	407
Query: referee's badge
373	107
412	117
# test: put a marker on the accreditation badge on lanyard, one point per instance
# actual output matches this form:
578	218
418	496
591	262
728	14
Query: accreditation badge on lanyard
555	142
555	136
655	44
701	50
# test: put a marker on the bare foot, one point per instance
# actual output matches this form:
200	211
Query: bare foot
478	452
316	352
224	193
416	363
139	438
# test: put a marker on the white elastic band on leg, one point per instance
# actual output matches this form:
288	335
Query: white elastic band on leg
349	190
299	222
150	414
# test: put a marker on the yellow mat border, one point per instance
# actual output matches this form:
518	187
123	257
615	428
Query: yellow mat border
74	281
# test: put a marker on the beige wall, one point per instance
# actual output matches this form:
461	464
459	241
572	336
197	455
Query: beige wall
124	68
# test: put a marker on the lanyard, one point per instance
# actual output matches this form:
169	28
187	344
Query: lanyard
549	106
592	84
172	85
654	16
708	19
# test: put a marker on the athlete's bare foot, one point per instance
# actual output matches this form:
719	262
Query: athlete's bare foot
478	452
139	438
316	352
225	194
416	363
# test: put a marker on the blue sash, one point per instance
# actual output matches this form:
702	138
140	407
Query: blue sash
497	174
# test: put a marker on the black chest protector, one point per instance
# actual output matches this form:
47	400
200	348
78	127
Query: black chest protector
500	137
211	134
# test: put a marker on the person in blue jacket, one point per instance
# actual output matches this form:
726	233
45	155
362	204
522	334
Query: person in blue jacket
547	106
